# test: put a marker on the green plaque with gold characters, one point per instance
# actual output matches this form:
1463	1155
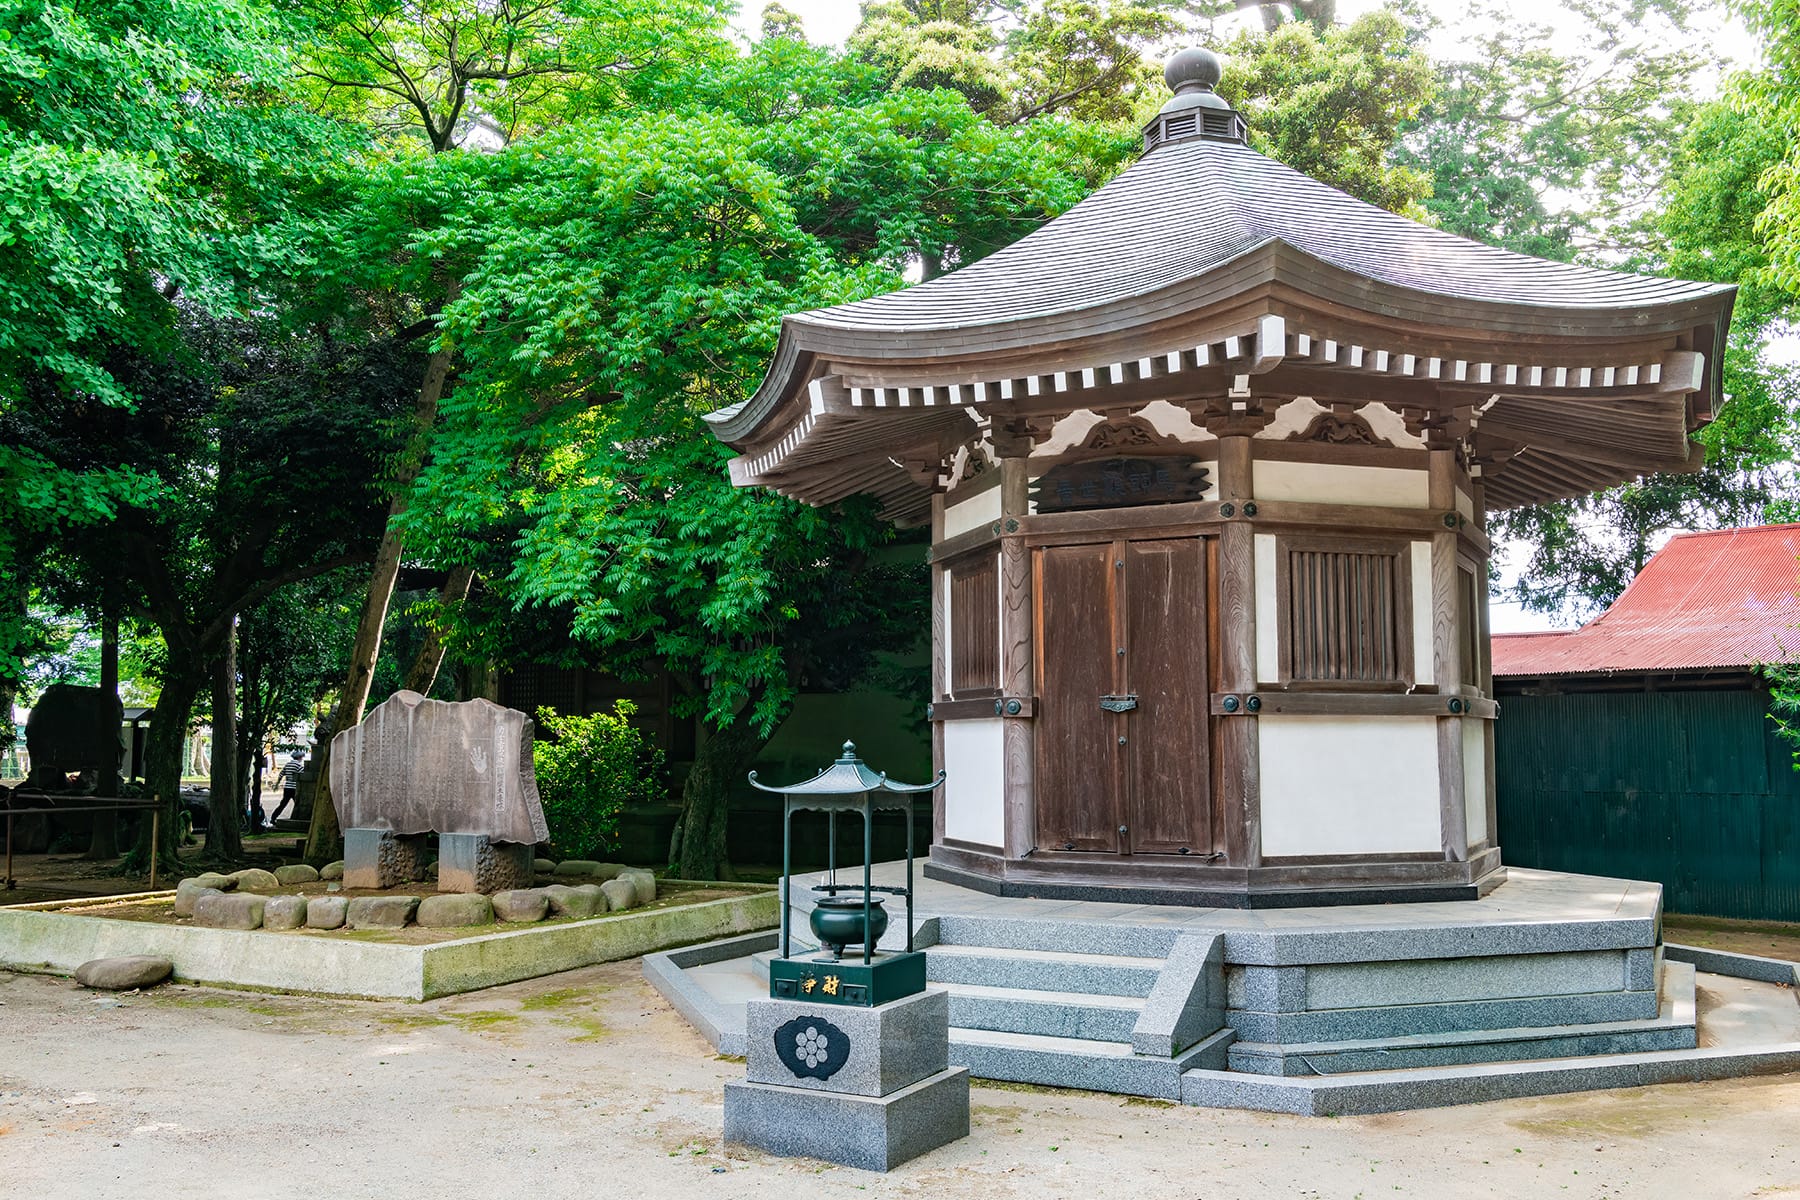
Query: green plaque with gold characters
854	984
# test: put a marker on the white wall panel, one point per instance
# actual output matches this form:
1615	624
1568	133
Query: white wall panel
974	782
1349	785
1334	483
1268	632
1474	768
983	508
1424	668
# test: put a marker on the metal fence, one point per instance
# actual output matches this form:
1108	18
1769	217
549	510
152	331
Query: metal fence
1691	789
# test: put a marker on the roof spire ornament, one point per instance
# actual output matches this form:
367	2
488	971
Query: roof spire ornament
1195	110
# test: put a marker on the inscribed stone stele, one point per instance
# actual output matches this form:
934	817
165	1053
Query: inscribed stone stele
416	765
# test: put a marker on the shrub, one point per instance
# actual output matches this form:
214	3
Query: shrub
588	769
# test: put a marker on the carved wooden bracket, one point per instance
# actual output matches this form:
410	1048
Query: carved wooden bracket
1340	426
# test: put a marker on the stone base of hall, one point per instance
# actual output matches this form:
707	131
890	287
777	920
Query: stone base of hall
1547	983
1167	880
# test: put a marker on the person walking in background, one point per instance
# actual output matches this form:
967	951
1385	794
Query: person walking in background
290	784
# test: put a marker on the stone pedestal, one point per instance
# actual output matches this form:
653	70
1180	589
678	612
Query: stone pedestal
472	862
381	858
862	1087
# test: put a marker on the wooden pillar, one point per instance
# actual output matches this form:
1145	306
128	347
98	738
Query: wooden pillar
1446	659
1239	802
1017	666
940	675
1485	644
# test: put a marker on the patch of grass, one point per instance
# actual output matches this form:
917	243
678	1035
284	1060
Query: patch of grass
593	1029
213	1001
1150	1102
412	1020
557	999
485	1018
1002	1085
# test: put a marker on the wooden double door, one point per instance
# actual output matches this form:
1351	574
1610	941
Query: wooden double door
1122	741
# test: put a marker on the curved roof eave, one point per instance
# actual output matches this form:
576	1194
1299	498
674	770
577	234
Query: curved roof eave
802	341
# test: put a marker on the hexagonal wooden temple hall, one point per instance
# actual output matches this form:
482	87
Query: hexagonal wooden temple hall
1208	462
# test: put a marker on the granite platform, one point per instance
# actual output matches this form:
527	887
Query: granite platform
1294	1009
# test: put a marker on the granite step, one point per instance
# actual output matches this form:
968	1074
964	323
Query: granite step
1085	1015
1043	970
1096	1066
1061	936
1673	1028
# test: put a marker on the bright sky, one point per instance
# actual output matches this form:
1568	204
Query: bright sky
831	21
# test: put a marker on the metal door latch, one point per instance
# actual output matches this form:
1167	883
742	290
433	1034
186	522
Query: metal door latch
1118	703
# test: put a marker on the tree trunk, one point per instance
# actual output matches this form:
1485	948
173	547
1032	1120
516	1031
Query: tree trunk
720	761
104	844
323	838
224	807
424	671
163	760
250	744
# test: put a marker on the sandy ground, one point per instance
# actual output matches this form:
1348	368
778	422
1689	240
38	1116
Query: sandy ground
588	1084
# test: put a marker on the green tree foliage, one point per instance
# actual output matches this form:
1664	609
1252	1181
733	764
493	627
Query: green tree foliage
588	770
1332	102
633	280
1556	145
144	147
1775	91
262	449
1090	60
1582	552
457	69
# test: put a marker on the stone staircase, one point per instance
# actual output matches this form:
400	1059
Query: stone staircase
1129	1008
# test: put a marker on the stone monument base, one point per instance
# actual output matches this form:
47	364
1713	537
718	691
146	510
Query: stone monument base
381	858
472	862
865	1087
875	1133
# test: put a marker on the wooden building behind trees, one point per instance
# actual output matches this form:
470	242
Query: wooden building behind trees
1207	462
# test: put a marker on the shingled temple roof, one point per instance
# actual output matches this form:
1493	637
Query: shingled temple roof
1203	228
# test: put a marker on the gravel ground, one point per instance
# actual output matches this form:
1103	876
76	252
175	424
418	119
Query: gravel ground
588	1085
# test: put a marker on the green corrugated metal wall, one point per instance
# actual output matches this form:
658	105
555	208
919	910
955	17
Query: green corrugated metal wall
1692	789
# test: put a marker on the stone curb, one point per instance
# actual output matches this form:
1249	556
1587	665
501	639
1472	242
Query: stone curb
1441	1087
1737	966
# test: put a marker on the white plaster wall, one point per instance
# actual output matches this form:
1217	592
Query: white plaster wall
974	782
1424	669
983	508
1335	483
1349	785
1474	766
949	651
1465	504
1268	649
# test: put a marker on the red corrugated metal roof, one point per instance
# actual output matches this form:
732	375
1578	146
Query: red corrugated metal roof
1730	598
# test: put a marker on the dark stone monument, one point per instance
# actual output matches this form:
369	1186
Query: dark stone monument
73	729
462	770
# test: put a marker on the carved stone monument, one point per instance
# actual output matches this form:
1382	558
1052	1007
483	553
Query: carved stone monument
416	766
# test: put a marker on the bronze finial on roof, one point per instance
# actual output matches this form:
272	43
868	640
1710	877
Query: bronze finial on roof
1195	110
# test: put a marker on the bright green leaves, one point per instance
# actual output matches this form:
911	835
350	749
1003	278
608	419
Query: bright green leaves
1332	103
1774	92
588	770
486	74
136	143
